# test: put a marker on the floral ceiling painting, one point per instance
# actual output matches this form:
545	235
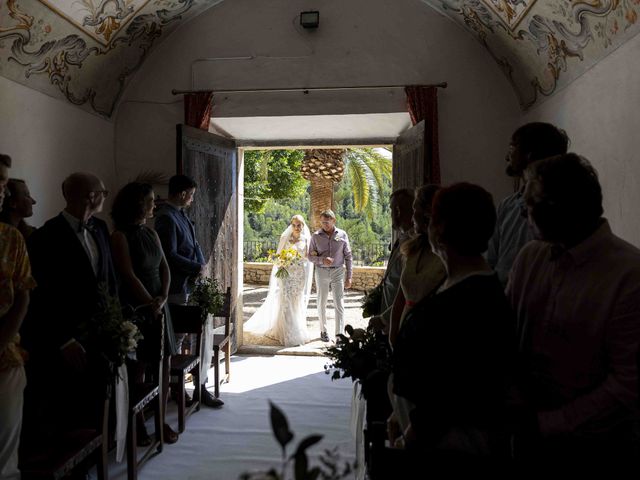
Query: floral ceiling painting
542	45
101	19
87	50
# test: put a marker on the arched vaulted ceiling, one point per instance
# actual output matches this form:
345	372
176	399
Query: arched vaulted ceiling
87	50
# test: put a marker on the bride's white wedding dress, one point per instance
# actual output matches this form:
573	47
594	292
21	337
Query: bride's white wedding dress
282	318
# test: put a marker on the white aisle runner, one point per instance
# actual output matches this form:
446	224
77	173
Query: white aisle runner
221	444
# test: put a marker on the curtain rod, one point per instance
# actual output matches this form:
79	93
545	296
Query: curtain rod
304	90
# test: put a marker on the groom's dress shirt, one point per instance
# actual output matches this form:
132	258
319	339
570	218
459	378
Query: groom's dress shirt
336	246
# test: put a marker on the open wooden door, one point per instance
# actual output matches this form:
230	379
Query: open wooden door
410	166
212	161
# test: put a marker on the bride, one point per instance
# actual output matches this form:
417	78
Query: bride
282	317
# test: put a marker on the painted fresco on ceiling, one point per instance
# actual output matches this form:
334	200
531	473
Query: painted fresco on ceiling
101	19
87	50
542	45
84	50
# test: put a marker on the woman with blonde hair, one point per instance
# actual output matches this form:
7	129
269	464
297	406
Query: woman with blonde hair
282	317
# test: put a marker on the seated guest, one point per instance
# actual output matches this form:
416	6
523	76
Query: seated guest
576	295
144	272
18	206
15	283
452	355
71	259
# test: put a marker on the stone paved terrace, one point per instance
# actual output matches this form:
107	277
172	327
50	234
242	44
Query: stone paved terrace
254	295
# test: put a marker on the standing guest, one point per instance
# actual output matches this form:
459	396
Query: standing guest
423	270
143	269
452	357
330	252
186	262
529	143
18	206
15	283
71	262
576	295
401	203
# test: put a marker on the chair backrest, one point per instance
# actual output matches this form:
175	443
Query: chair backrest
188	319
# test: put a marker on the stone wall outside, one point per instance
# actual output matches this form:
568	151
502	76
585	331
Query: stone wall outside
364	278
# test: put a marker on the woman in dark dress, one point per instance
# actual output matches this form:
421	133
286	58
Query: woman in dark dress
455	348
145	279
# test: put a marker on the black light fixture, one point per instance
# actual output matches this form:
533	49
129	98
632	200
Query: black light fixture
310	19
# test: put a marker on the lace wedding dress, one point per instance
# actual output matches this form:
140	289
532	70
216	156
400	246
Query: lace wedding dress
282	318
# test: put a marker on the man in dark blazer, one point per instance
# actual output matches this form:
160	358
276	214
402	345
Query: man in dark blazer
71	259
186	262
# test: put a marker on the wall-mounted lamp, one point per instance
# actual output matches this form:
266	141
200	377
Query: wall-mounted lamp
310	19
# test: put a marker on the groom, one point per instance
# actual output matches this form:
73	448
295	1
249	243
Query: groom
330	251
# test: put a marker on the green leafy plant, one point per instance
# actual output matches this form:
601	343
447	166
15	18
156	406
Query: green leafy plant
111	333
207	295
330	468
372	302
357	355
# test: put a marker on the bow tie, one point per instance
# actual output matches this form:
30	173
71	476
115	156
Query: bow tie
85	226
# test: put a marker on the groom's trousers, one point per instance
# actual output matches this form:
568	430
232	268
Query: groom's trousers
334	277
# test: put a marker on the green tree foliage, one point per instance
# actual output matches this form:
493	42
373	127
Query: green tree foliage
368	171
373	226
271	175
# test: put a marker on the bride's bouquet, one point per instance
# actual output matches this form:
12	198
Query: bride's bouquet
283	260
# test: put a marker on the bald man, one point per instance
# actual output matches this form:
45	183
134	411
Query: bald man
70	258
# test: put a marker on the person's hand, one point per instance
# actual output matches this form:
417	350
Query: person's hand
376	323
203	271
347	283
74	356
157	303
393	429
328	261
409	435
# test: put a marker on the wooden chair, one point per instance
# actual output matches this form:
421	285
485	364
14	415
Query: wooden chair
140	396
57	459
187	319
222	341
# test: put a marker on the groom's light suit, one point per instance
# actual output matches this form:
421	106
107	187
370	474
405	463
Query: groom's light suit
336	246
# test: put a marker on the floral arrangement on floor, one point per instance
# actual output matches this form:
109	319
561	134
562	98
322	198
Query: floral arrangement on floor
330	459
357	354
207	295
372	302
284	259
111	334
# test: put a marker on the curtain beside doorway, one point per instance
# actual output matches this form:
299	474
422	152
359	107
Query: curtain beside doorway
197	109
422	103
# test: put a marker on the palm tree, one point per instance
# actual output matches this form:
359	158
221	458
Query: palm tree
324	168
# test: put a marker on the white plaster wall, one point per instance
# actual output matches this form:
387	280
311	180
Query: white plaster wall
256	44
48	139
600	112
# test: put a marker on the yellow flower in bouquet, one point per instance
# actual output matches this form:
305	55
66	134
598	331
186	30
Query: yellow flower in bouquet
283	260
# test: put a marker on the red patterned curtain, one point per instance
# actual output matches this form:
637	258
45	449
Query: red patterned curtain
422	103
197	109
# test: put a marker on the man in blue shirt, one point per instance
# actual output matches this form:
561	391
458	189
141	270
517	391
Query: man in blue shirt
186	262
531	142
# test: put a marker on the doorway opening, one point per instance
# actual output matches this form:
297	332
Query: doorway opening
353	181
